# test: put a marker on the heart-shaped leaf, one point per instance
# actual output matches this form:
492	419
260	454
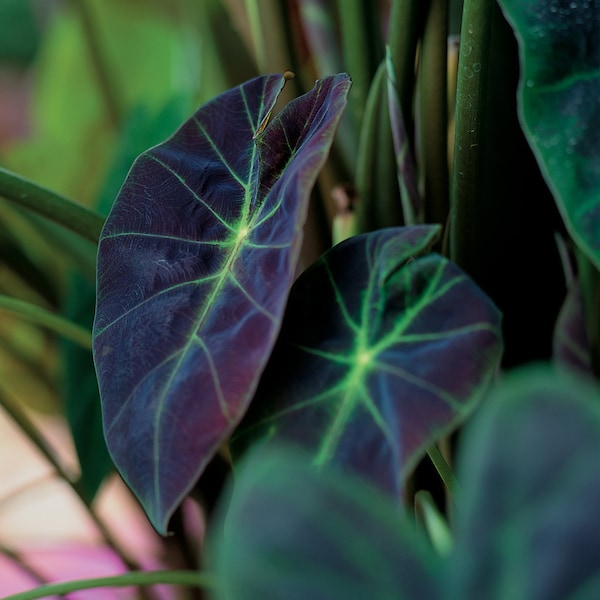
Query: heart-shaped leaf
295	532
527	522
195	264
559	107
382	351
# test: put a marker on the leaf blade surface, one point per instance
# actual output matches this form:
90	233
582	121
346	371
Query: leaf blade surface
383	349
195	263
559	105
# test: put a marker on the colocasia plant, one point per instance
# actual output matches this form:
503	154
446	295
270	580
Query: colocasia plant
370	425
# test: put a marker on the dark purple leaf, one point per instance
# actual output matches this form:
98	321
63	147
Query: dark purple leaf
294	532
80	389
383	350
195	263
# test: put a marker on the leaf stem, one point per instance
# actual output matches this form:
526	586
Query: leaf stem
380	203
435	524
41	316
406	25
141	578
444	470
362	51
53	206
433	113
471	104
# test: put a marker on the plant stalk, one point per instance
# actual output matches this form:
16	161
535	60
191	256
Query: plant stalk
406	25
436	526
471	102
444	470
41	316
432	113
35	198
379	201
188	578
361	51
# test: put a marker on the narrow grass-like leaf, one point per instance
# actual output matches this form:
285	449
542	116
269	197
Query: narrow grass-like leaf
29	195
412	206
377	361
195	264
42	316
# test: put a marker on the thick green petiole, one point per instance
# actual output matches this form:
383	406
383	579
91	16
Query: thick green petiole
53	206
140	578
434	522
467	179
443	469
41	316
432	113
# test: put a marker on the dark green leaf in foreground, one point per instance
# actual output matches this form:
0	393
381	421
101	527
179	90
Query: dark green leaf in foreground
195	264
559	103
384	349
528	524
293	532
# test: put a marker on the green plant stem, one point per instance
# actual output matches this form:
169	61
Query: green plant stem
471	99
14	411
433	113
41	316
189	578
361	50
406	25
105	83
379	201
53	206
412	206
435	524
444	469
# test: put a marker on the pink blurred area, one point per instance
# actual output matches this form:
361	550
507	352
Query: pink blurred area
44	525
70	562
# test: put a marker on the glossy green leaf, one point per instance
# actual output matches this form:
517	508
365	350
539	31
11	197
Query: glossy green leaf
293	532
559	103
384	349
528	523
